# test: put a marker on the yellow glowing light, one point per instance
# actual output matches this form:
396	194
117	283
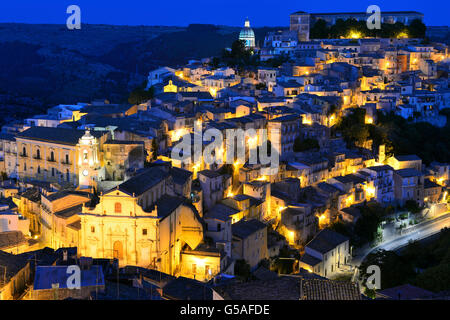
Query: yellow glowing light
177	134
196	167
279	209
354	35
307	269
306	121
179	74
369	120
426	199
346	99
402	35
198	261
292	236
213	91
263	178
349	200
307	72
370	191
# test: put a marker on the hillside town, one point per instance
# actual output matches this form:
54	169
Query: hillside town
101	185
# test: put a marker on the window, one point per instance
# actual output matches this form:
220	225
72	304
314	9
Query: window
92	229
53	172
117	207
38	154
194	268
52	156
67	159
39	169
219	227
144	232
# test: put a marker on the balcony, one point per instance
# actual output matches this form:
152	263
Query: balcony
37	158
23	155
66	163
51	160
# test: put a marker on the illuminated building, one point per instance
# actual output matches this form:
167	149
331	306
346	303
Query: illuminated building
141	224
59	155
247	35
326	253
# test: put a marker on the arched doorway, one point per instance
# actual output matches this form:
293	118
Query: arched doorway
118	250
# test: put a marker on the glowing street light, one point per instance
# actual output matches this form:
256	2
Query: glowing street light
354	34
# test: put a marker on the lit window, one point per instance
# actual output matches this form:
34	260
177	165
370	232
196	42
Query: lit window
117	207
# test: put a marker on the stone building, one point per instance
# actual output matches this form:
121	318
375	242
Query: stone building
141	223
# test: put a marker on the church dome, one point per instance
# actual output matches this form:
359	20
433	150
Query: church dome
247	35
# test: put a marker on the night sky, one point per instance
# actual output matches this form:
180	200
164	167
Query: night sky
220	12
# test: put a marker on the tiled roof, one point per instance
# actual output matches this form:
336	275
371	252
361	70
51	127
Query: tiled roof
11	238
56	135
326	240
410	157
12	263
140	183
316	289
281	288
310	260
245	228
221	212
405	292
187	289
408	172
167	204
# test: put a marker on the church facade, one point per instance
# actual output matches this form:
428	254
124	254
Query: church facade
136	231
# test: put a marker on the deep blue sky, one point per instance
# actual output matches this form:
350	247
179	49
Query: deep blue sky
184	12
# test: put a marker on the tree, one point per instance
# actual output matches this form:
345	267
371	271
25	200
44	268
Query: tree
261	86
319	30
242	269
366	227
417	29
141	95
412	206
301	145
154	149
353	128
395	270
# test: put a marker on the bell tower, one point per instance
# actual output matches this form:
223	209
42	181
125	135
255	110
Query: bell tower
88	161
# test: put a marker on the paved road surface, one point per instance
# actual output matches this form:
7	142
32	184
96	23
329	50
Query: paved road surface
422	231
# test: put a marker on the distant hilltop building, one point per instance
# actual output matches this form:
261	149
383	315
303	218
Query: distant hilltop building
247	35
302	21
